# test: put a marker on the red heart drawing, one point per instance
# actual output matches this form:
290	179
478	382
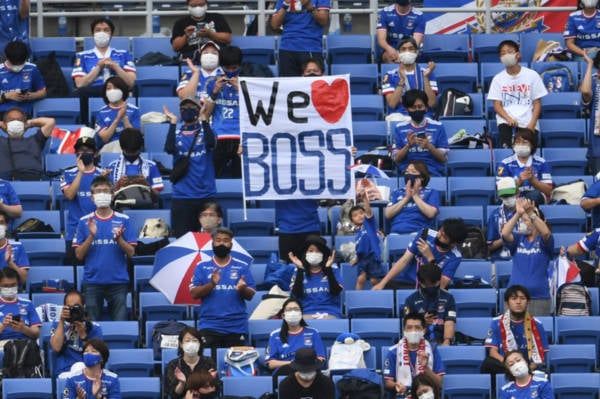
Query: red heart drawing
330	100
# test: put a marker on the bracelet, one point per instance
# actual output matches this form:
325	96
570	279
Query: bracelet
533	216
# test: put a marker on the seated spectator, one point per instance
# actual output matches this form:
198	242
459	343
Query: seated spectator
582	30
201	385
116	116
317	283
180	371
9	202
396	22
293	335
69	334
12	253
20	154
523	383
307	381
193	81
21	82
424	387
313	67
506	190
93	381
435	304
414	206
412	356
420	138
19	318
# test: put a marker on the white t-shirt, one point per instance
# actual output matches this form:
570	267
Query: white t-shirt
517	94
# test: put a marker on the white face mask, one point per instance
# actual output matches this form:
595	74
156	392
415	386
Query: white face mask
16	68
522	150
519	369
292	317
413	337
407	57
307	376
509	60
2	231
589	3
102	200
9	293
209	61
191	348
15	128
198	11
313	258
114	95
510	202
522	228
101	39
427	395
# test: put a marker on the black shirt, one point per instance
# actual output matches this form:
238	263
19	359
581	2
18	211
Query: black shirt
321	388
213	21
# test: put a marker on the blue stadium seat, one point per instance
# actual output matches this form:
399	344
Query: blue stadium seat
258	222
498	155
571	358
561	105
155	135
575	385
131	362
469	162
369	135
57	163
239	386
143	45
27	388
578	330
141	277
44	251
471	190
40	298
530	40
471	214
367	107
363	77
39	277
349	49
329	329
149	327
481	268
485	45
258	272
462	76
377	332
140	387
260	247
395	245
156	81
229	194
149	104
475	302
155	306
467	386
573	67
67	71
562	132
401	296
63	110
566	161
462	359
503	272
118	42
257	49
64	47
51	218
445	48
138	217
477	106
370	358
473	329
33	195
440	184
369	304
168	354
260	330
120	334
472	127
565	218
489	69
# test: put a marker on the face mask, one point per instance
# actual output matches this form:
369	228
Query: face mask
190	115
442	245
522	150
114	95
2	231
411	178
231	74
589	3
430	292
131	158
221	251
15	128
523	229
191	348
87	158
16	68
91	359
209	61
418	115
307	376
209	222
292	317
509	60
313	258
198	11
9	293
102	200
519	369
311	75
211	395
403	3
427	395
413	337
407	57
510	202
101	39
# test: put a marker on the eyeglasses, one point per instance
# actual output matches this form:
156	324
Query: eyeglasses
292	309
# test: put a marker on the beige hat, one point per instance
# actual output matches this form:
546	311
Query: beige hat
506	186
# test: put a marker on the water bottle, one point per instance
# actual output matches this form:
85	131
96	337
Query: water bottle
155	23
62	25
347	22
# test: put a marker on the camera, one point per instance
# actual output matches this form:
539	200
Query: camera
16	318
76	313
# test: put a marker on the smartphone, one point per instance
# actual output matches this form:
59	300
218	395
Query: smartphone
424	234
422	136
16	318
24	91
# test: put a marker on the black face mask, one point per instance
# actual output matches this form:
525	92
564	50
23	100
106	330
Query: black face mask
440	244
430	292
87	158
131	158
189	115
221	251
417	115
410	178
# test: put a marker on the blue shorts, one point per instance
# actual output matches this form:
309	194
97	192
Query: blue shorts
371	265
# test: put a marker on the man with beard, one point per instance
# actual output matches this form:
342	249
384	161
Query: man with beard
223	283
435	304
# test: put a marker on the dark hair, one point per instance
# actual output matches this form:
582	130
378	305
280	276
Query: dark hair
507	373
100	346
424	379
131	139
414	316
514	290
408	39
354	209
74	292
7	272
429	272
16	52
119	83
192	331
100	21
211	204
410	97
284	330
510	43
101	180
315	61
12	109
200	378
423	170
222	230
529	135
455	229
321	245
229	56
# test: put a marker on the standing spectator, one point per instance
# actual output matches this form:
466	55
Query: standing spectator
420	138
589	98
9	201
439	246
198	184
20	154
93	67
414	206
27	324
193	81
14	24
516	329
396	22
317	284
408	76
412	356
222	104
307	381
12	253
103	241
506	190
435	304
517	93
582	31
531	247
224	284
189	360
116	116
200	27
21	83
302	22
523	383
70	332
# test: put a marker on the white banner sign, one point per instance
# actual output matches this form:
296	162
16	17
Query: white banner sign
296	135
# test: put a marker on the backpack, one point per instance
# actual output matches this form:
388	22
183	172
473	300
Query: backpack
154	228
22	359
56	84
557	77
475	245
165	334
569	193
573	299
135	196
241	361
33	225
360	384
454	102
